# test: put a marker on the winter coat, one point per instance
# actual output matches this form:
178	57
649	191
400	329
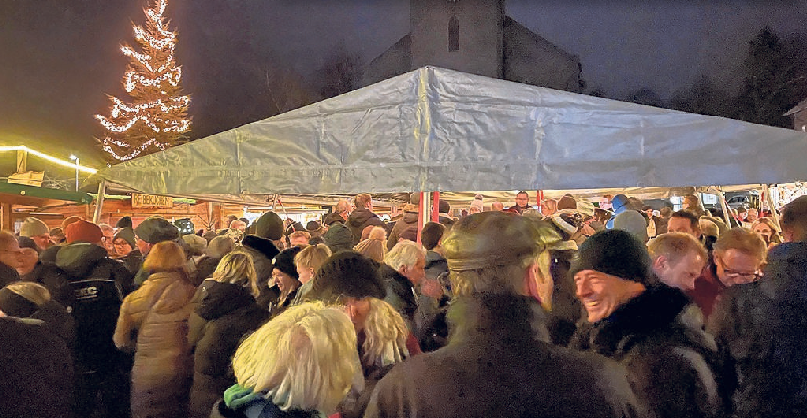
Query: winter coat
7	275
133	261
762	325
37	370
58	321
54	279
97	286
408	220
499	363
206	266
228	313
400	294
360	219
158	313
240	402
672	363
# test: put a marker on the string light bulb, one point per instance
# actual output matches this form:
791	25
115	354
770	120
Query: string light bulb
156	118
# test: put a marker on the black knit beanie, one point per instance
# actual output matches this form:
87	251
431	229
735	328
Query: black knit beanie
617	253
285	261
347	274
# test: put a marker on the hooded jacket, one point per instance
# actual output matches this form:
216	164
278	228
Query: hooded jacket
360	219
96	286
408	220
228	313
673	365
619	204
761	326
499	363
154	321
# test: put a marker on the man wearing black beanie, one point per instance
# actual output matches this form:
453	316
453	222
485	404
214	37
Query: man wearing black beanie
636	320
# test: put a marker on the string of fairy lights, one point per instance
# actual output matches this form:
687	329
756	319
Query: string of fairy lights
153	81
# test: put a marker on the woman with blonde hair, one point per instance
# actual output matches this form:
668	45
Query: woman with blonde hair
309	369
153	322
308	261
225	312
350	281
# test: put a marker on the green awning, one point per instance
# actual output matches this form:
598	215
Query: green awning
44	193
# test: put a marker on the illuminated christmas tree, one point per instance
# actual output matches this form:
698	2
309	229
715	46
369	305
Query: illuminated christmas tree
156	117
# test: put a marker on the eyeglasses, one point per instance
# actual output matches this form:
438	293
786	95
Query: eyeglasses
733	274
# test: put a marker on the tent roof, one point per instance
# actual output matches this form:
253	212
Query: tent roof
32	195
440	130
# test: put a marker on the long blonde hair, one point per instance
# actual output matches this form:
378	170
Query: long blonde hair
305	358
385	335
238	268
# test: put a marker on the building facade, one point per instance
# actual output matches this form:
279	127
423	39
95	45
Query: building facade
476	36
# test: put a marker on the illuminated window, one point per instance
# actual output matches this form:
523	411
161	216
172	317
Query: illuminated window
453	34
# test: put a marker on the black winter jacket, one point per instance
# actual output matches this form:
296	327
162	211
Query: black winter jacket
673	365
99	285
499	363
228	313
762	326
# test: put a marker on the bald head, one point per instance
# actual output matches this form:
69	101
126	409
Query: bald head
9	250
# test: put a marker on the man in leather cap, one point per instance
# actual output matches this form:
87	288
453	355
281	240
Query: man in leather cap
498	361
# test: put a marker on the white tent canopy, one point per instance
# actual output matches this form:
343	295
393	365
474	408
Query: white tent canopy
439	130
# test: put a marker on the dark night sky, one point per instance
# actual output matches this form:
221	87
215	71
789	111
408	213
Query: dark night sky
60	58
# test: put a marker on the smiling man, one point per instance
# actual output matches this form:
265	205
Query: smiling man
634	319
678	259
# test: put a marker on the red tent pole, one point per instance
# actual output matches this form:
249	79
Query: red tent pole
436	207
421	213
539	199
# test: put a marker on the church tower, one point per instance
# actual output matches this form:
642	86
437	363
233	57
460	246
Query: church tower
463	35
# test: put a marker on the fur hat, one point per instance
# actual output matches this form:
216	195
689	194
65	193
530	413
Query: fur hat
125	222
269	226
83	231
261	245
617	253
155	230
128	235
347	274
285	261
32	227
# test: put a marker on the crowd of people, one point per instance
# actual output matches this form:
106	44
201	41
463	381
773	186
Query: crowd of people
559	311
